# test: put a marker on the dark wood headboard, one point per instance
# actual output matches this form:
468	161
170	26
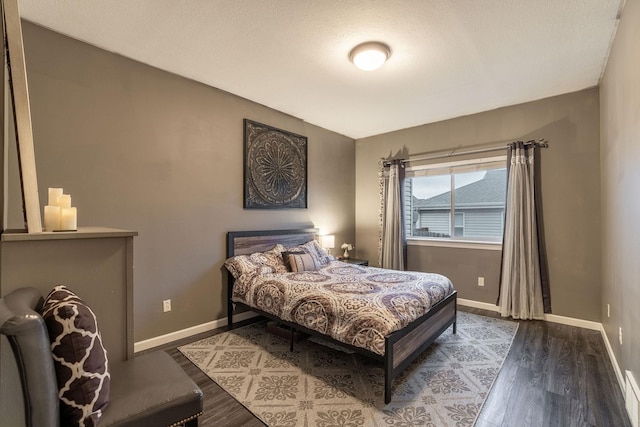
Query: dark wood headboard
248	242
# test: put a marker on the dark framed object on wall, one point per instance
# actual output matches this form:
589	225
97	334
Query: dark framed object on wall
275	168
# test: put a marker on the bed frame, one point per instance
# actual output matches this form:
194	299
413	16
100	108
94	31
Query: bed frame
401	347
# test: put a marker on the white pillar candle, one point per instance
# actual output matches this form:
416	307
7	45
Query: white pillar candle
54	193
68	219
51	218
64	201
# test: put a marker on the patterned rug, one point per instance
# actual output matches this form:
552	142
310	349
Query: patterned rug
316	385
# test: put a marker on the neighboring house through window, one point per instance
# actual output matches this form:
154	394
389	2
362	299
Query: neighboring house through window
462	200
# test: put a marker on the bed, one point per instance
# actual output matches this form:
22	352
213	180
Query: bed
395	342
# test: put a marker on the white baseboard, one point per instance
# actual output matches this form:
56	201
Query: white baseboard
632	399
478	304
570	321
612	357
188	332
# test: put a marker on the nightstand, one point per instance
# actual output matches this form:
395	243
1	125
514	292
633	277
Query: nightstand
355	261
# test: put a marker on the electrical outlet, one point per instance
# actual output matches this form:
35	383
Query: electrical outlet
620	334
608	310
480	281
166	305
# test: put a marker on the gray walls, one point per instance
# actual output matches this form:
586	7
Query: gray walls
462	266
570	186
142	149
620	164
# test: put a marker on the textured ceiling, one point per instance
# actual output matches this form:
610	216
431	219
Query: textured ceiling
449	57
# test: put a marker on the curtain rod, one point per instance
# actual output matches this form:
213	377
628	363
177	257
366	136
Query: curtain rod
539	142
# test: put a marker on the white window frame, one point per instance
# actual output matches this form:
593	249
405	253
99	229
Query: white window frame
451	168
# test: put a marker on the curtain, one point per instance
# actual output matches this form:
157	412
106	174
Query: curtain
392	239
524	284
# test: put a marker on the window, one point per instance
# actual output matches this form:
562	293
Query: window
458	225
459	200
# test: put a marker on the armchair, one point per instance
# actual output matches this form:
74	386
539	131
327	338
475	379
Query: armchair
149	390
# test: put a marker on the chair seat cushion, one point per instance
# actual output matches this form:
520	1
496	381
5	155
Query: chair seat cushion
151	390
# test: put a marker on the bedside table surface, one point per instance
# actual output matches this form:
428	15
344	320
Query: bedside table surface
355	261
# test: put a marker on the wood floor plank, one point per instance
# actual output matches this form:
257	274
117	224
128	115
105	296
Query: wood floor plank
554	375
601	386
494	409
560	368
563	411
526	399
593	343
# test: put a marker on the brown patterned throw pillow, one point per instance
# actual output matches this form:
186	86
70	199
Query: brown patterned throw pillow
242	264
285	257
257	263
271	258
312	247
303	262
79	358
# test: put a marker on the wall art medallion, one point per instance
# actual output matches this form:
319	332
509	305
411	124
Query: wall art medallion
275	168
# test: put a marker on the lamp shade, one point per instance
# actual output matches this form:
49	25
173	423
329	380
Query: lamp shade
328	241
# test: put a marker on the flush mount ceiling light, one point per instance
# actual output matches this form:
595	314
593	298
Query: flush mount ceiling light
370	56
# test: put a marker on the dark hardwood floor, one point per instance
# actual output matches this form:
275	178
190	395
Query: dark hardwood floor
554	375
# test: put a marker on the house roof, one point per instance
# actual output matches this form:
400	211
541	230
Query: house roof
487	192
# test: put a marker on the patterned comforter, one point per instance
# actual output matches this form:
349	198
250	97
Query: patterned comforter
353	304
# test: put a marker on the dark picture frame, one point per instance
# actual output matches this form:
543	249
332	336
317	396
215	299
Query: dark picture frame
275	168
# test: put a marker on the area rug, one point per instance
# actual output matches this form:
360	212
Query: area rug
317	385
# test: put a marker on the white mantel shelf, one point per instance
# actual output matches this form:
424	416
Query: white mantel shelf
82	233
